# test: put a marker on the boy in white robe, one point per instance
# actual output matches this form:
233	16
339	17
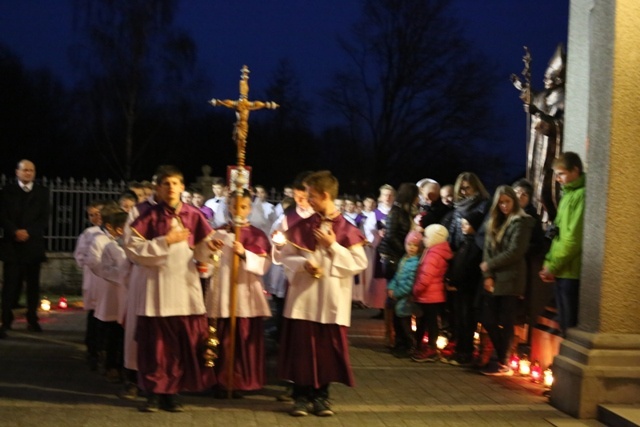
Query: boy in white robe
253	249
88	301
321	256
109	292
172	326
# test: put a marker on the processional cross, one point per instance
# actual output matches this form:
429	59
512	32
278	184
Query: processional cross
243	107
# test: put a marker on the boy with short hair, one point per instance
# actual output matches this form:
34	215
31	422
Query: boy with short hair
88	300
563	262
108	293
253	249
172	325
321	256
218	203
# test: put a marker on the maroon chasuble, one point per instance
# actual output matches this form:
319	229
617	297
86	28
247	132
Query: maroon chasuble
156	221
301	233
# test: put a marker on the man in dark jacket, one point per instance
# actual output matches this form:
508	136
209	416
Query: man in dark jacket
24	214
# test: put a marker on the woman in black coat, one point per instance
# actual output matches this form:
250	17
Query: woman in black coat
399	223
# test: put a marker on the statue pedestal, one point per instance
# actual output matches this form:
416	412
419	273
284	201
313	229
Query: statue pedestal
595	368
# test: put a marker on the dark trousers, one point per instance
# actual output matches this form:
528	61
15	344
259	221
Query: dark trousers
111	335
404	335
92	336
499	315
309	392
567	294
465	321
428	323
14	274
279	307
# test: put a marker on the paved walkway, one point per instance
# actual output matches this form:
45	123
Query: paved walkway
44	381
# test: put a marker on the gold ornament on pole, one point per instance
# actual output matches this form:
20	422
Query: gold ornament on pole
243	107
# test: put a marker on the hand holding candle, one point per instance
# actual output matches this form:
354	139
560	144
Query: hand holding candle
313	269
278	238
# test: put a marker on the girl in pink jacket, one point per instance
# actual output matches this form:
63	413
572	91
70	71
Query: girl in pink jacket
429	290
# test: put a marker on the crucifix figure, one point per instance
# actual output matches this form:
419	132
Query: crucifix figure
243	107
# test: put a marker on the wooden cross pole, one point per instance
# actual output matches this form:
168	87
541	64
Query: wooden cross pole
243	107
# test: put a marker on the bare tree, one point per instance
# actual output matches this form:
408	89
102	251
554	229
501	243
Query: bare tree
414	90
132	60
284	131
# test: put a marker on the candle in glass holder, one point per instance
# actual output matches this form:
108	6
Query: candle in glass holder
514	362
536	372
547	378
524	367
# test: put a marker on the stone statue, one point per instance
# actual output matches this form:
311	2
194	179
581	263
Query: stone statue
545	112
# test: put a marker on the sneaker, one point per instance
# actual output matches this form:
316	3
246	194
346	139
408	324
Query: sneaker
447	359
300	408
170	403
400	353
151	405
460	360
499	371
113	375
92	361
286	396
129	392
378	316
428	355
322	407
34	327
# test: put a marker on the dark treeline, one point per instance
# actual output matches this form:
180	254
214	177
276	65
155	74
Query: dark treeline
413	102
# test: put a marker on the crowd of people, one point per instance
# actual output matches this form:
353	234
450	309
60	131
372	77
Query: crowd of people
165	272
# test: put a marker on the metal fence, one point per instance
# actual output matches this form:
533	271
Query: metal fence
68	199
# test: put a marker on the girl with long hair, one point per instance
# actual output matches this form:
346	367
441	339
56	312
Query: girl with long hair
503	266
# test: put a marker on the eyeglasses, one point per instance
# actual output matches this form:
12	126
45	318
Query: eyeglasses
466	188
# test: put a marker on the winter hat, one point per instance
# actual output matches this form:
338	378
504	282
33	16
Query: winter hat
436	233
475	219
414	237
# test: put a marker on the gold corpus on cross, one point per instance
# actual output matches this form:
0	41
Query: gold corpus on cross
243	107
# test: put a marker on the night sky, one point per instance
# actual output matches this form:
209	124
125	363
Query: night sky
259	33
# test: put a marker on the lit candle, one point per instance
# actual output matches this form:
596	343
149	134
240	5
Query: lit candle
536	372
548	378
525	366
441	342
514	362
62	303
45	304
278	238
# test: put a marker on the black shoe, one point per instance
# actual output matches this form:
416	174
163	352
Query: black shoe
151	405
170	403
322	407
300	408
129	392
286	396
34	327
379	316
92	361
220	393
